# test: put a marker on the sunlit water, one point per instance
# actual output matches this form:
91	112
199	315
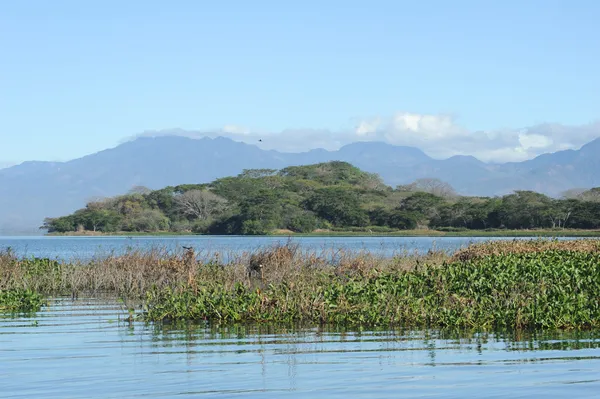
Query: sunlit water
85	349
88	247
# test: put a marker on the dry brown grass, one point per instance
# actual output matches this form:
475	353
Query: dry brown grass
135	272
489	248
132	274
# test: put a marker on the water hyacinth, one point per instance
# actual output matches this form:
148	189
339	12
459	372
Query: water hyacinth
519	284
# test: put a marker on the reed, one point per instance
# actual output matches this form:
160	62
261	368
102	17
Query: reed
517	284
134	273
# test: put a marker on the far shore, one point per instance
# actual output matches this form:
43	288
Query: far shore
398	233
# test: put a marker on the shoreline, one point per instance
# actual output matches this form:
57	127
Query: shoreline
567	233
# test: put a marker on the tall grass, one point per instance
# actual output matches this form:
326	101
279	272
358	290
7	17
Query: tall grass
519	284
135	272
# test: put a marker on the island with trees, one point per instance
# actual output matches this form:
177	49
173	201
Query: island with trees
326	197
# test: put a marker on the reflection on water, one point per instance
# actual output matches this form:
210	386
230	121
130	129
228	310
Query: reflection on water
82	349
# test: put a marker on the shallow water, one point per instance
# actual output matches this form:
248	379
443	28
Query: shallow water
65	248
82	350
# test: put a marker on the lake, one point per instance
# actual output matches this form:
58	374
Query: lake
86	349
82	350
65	247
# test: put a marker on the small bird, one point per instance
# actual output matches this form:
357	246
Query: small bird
260	140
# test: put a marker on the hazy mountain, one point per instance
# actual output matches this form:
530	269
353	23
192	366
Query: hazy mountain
33	190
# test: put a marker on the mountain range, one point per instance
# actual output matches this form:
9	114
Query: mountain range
33	190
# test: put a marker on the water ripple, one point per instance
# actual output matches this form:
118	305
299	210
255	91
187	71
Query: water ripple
85	349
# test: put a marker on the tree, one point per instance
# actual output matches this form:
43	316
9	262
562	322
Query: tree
424	206
339	205
260	212
402	220
591	195
466	212
149	220
257	173
139	190
572	193
433	186
525	210
200	204
393	218
103	220
330	173
585	215
163	200
299	220
59	225
558	212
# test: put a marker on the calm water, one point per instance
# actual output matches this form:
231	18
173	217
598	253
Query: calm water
88	247
81	350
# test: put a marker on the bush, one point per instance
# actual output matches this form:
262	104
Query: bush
20	301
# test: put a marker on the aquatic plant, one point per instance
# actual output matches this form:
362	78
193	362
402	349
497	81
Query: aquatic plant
550	288
483	249
132	274
20	301
548	284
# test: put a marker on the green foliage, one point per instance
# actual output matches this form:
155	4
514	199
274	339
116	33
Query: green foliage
549	289
20	301
332	195
338	205
148	220
394	218
330	173
301	221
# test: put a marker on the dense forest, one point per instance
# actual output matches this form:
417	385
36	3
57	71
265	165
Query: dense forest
332	196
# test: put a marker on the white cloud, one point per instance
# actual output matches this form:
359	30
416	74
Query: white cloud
532	140
440	136
234	129
368	127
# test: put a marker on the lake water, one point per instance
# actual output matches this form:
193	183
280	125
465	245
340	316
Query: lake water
85	348
81	350
61	247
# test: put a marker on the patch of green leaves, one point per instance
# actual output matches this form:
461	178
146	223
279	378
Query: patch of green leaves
20	301
550	289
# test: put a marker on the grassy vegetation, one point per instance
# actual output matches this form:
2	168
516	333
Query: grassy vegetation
20	301
514	284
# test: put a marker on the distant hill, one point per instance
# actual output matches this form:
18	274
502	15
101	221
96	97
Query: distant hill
34	190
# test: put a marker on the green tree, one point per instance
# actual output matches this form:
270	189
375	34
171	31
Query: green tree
525	210
61	224
260	212
339	205
149	220
425	207
102	220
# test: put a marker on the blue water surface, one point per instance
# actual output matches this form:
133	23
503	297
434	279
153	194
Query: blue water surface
84	349
65	248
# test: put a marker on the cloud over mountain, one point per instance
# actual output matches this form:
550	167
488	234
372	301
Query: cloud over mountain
440	136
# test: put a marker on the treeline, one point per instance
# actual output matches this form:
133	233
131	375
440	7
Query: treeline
334	196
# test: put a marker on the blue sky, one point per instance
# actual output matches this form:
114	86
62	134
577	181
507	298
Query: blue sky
77	77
